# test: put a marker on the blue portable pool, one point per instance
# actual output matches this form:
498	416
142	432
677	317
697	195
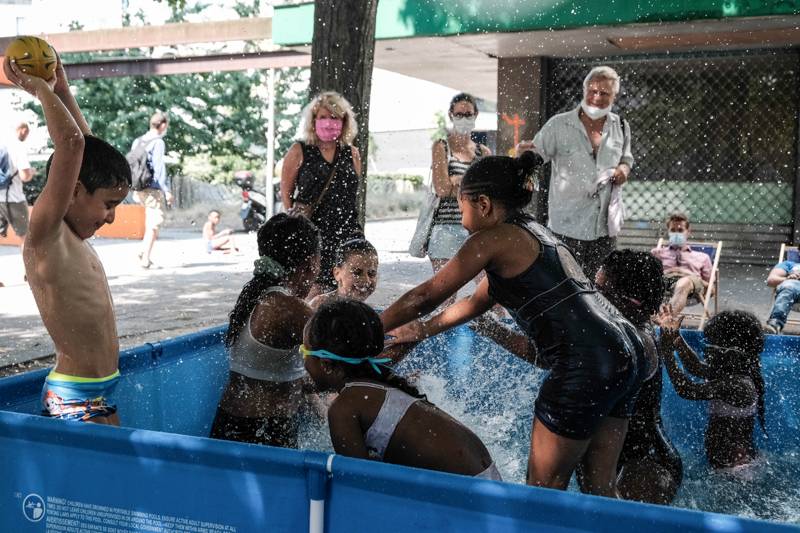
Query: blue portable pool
159	473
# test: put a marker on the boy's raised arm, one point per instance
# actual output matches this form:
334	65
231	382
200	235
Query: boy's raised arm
67	137
62	91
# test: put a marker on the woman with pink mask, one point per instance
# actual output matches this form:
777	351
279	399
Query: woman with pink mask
319	178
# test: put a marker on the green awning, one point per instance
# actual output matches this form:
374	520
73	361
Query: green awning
293	24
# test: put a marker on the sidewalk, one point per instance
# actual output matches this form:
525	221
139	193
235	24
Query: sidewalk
192	290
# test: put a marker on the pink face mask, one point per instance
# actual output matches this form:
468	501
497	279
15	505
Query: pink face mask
328	129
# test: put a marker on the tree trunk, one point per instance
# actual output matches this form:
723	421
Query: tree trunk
342	53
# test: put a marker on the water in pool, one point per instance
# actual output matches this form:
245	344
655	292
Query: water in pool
493	393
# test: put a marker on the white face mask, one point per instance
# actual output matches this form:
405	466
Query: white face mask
677	239
464	126
593	112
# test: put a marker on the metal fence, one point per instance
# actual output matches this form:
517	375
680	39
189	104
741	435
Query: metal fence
713	135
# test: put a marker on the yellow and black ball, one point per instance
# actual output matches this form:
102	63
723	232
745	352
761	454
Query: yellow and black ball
33	56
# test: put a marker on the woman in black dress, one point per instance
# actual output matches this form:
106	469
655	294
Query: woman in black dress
320	178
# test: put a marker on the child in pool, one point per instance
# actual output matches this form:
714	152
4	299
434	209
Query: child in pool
263	395
378	415
86	179
355	272
732	381
595	356
215	240
650	468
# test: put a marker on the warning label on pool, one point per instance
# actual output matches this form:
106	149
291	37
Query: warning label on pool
70	516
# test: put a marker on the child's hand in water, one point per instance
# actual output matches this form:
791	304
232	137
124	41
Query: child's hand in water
411	332
669	322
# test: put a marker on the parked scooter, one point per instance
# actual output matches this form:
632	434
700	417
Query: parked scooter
254	202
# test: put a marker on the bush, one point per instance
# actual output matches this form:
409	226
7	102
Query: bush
219	168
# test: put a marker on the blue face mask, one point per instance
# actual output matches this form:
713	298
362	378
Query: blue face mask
677	239
325	354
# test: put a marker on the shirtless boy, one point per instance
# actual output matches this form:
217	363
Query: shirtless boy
86	179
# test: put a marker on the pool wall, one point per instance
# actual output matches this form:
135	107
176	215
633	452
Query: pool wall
64	477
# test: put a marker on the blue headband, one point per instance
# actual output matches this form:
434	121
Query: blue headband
325	354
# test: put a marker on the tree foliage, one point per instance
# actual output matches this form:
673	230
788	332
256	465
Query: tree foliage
218	120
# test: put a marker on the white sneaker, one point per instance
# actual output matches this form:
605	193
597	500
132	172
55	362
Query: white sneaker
773	327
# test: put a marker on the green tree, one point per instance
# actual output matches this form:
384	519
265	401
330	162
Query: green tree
217	120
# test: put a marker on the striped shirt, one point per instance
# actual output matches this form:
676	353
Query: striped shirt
448	212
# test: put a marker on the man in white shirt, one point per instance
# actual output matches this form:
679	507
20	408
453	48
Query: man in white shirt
584	145
13	205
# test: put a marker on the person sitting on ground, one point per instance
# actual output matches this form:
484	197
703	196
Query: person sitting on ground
214	240
377	414
650	468
262	398
86	179
355	272
732	381
785	279
686	272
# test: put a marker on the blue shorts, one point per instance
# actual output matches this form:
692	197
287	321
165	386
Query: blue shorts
78	398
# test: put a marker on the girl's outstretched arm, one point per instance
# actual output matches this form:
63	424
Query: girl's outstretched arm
512	340
691	362
459	313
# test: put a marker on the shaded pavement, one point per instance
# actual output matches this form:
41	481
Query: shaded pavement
191	289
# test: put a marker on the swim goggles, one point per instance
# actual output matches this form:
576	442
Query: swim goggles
325	354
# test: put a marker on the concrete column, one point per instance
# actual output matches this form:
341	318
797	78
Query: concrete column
520	98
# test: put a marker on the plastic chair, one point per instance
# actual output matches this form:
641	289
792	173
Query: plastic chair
712	250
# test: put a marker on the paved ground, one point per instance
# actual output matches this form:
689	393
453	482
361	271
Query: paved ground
192	290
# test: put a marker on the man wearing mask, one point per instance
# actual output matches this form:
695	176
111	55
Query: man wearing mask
590	151
686	272
153	197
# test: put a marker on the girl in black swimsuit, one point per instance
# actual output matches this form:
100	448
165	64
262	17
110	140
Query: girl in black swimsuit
594	354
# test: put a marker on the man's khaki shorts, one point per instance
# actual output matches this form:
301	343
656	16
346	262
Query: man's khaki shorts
698	289
15	214
153	201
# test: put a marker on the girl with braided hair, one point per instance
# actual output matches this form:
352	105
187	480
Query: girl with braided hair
263	394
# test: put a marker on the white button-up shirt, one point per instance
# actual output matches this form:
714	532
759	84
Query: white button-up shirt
573	210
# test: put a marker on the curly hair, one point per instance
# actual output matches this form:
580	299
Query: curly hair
634	283
338	106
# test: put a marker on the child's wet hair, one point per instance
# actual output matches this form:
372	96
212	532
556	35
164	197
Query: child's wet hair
634	275
102	166
351	328
354	246
290	240
741	331
507	180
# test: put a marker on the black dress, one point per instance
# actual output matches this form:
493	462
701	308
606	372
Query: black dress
335	215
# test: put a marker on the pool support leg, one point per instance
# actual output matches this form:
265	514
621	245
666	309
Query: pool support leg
318	468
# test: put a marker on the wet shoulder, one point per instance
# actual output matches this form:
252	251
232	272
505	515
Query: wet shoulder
277	316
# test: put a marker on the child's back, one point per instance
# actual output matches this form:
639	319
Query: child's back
377	414
87	179
407	430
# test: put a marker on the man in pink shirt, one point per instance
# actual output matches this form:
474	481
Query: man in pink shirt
686	272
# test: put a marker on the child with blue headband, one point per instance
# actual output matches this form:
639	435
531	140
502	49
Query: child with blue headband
377	414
